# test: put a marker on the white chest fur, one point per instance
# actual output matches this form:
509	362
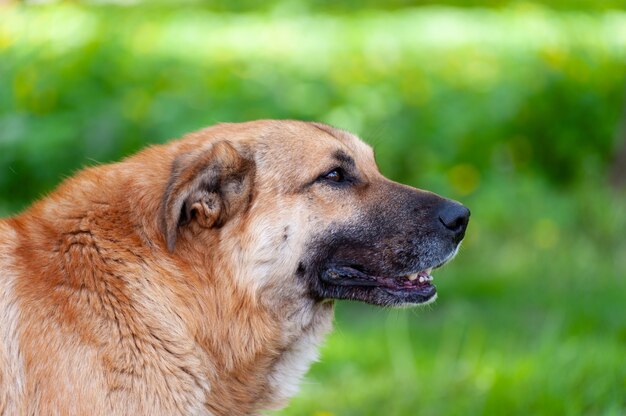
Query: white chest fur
299	355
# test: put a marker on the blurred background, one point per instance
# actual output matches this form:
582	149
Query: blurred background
517	109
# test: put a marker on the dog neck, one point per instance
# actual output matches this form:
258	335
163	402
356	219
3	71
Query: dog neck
259	357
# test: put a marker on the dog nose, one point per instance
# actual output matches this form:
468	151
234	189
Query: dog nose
454	217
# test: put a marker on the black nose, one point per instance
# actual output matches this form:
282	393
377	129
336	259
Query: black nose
454	217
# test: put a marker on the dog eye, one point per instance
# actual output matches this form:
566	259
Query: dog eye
335	175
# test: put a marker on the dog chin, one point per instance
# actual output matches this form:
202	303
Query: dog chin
412	305
380	296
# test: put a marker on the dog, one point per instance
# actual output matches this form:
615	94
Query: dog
198	277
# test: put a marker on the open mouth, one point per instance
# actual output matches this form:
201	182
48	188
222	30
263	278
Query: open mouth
415	287
354	281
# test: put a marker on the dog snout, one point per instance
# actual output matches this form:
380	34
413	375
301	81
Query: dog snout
454	218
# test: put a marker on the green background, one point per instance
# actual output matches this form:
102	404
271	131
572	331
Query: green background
517	109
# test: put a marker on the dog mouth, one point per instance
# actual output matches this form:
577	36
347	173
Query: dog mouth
414	287
403	289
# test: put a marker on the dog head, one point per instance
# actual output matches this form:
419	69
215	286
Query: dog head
301	208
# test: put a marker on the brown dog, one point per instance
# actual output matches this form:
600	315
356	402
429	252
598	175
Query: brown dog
197	277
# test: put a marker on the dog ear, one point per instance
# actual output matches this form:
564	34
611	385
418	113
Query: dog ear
206	187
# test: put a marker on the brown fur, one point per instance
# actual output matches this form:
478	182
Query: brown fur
164	284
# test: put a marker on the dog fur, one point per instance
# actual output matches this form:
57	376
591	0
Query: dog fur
169	283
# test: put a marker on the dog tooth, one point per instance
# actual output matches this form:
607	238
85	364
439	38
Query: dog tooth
422	279
413	276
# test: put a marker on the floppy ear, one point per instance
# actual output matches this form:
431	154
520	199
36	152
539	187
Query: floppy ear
206	187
